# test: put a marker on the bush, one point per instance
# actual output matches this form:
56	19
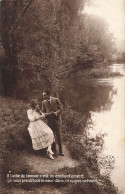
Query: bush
13	134
75	131
73	122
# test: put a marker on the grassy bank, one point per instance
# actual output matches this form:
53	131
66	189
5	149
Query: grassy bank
94	73
15	137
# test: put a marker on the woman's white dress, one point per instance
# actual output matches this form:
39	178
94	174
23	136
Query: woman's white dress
41	135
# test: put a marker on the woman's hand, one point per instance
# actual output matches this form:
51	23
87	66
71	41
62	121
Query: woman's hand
37	119
42	116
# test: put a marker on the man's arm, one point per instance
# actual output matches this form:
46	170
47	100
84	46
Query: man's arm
43	108
44	111
59	107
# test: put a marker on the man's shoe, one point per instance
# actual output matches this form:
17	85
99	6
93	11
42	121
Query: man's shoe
61	154
56	154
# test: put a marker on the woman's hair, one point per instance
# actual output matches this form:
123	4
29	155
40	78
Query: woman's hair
33	103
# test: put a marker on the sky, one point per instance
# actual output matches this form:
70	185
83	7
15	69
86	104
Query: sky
113	11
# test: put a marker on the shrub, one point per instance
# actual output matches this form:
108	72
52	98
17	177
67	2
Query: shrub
13	134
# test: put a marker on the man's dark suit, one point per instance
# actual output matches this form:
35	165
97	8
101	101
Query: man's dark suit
54	121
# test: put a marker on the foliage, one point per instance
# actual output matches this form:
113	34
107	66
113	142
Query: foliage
99	72
33	51
49	39
73	121
83	151
14	137
96	44
120	57
14	134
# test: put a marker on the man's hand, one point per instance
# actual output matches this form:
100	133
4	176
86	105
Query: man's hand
51	113
48	114
55	114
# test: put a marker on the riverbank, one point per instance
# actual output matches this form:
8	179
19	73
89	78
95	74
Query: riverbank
15	139
94	73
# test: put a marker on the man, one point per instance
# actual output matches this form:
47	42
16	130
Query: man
53	109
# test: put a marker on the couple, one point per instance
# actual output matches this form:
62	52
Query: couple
43	135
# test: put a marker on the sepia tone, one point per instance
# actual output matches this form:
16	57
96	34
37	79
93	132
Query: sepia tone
73	51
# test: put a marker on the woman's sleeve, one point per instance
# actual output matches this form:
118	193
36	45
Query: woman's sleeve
30	116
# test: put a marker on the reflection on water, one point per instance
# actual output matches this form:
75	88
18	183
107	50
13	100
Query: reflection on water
105	100
89	95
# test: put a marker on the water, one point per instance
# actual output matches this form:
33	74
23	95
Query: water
104	100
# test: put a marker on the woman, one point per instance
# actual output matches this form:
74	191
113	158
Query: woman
41	135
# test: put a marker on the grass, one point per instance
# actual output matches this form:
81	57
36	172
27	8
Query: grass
14	137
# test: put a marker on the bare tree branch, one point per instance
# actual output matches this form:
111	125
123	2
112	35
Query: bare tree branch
24	11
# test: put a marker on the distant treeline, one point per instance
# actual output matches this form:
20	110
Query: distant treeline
48	39
120	57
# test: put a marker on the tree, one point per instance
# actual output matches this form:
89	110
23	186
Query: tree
98	40
12	13
45	39
35	39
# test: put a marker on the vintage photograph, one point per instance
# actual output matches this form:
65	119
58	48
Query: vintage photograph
62	96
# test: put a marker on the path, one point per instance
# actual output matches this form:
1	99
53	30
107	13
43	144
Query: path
42	165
